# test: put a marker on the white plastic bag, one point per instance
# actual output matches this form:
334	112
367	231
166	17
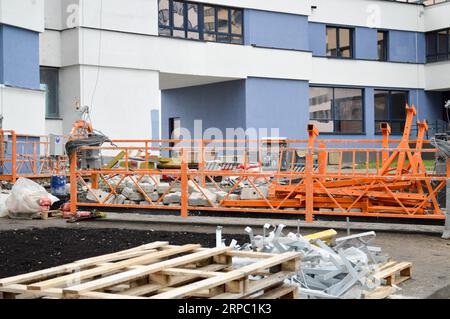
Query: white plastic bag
25	196
3	210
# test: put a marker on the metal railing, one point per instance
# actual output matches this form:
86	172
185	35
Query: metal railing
313	177
28	156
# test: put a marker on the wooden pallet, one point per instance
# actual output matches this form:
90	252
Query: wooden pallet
391	273
394	273
51	214
159	270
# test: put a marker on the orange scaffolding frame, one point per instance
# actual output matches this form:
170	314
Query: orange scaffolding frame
28	156
366	181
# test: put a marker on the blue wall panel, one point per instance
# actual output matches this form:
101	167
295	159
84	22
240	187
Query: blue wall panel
219	105
154	116
429	105
279	104
20	57
365	40
317	38
276	30
25	148
403	44
1	54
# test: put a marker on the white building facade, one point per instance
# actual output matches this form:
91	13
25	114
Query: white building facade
146	66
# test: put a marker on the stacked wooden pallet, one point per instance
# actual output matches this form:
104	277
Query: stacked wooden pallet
159	270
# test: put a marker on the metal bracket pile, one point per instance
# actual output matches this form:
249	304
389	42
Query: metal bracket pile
343	269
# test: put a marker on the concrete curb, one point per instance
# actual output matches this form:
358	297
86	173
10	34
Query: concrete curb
243	222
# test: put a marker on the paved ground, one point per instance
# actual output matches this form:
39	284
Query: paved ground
420	245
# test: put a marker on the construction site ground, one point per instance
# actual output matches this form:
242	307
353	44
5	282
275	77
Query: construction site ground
29	245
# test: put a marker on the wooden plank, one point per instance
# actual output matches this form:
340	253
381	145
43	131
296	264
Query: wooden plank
150	288
195	272
204	294
147	270
380	293
102	295
103	270
249	254
256	286
119	254
280	292
387	265
43	274
233	275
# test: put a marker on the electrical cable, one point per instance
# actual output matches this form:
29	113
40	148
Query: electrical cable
441	145
99	55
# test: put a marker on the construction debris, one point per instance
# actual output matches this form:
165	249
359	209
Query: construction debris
345	267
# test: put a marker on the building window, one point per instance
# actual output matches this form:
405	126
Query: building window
200	22
337	110
382	44
50	84
438	45
390	107
339	42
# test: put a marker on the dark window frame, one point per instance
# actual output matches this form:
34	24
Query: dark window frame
57	113
437	56
333	110
385	47
338	44
389	108
201	23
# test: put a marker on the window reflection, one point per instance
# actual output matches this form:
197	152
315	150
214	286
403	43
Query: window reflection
336	110
339	42
183	19
390	107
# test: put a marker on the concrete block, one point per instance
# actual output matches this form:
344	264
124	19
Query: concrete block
193	189
198	199
130	184
152	180
120	199
111	200
162	188
132	195
250	193
154	196
101	195
221	196
172	198
147	187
